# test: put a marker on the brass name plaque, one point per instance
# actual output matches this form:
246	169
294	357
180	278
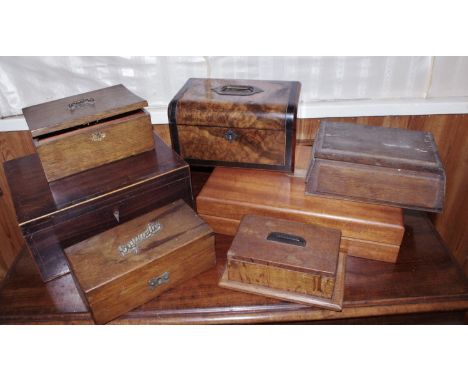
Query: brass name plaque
132	246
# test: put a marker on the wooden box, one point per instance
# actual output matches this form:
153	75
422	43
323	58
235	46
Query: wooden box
77	133
397	167
368	231
288	260
236	123
134	262
61	213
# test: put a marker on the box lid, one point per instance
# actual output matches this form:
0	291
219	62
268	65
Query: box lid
130	246
378	146
286	244
81	109
235	103
35	199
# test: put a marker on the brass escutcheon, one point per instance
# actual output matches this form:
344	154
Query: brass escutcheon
98	136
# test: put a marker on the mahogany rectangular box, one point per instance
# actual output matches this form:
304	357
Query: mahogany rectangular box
77	133
368	231
236	123
134	262
287	260
374	164
58	214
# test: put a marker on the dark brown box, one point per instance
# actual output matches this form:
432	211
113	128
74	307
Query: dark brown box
77	133
134	262
236	123
373	164
55	215
287	260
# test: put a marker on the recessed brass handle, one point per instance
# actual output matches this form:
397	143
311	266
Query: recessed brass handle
159	280
237	90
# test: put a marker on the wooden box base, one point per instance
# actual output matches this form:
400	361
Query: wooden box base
334	303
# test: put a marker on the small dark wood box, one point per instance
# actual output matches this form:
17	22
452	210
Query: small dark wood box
55	215
288	260
77	133
236	123
379	165
134	262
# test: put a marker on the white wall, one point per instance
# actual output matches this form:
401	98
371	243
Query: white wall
331	86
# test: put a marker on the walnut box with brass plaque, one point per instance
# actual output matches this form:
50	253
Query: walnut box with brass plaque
236	123
374	164
287	260
77	133
134	262
54	215
368	230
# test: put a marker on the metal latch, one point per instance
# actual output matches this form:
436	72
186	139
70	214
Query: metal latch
156	281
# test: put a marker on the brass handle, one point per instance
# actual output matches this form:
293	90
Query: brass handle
237	90
98	136
287	238
159	280
80	103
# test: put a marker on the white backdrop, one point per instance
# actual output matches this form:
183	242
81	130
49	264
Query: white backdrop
331	86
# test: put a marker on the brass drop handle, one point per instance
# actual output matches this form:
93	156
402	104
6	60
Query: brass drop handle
80	103
287	238
237	90
159	280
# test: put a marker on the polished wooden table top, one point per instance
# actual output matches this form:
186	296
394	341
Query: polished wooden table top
425	279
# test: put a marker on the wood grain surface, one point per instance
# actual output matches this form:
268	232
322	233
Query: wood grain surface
198	104
82	149
374	164
424	283
56	115
248	146
114	284
59	214
315	292
451	136
379	185
318	254
12	145
229	194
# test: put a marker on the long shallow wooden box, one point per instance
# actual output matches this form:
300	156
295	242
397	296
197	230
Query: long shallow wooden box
368	231
58	214
239	123
77	133
287	260
134	262
374	164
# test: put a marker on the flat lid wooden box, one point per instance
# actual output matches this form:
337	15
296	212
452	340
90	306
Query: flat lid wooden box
132	263
376	164
235	122
369	231
77	133
55	214
288	260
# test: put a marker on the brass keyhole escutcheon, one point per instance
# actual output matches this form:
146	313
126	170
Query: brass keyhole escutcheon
230	135
98	136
